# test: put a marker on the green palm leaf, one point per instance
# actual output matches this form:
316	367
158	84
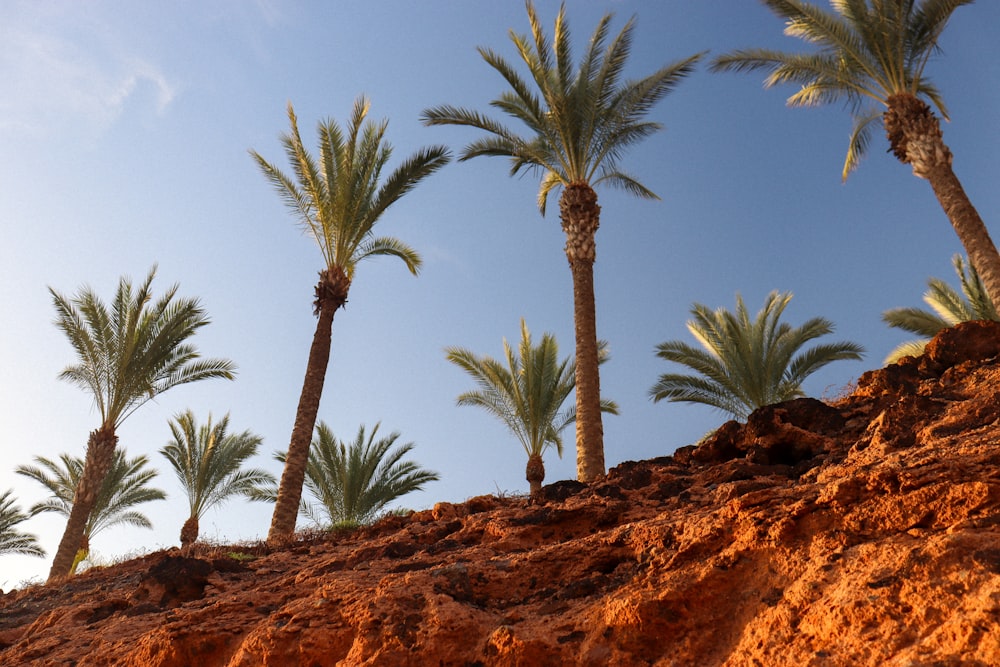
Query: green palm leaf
745	363
948	307
352	483
12	540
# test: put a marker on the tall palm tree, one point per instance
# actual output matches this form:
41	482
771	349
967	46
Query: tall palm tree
352	483
208	461
338	200
580	120
12	540
872	55
527	394
128	354
948	308
125	486
746	364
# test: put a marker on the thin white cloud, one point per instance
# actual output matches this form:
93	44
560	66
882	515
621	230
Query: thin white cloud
50	80
140	72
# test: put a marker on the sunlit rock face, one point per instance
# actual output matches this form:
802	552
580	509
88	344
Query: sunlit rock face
863	531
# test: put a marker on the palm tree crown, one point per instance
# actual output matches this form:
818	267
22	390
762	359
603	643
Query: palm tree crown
125	486
135	350
208	461
526	392
580	118
948	308
12	540
871	55
340	197
746	364
337	199
353	482
128	354
868	52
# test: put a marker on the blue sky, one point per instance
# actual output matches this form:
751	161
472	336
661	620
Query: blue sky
124	131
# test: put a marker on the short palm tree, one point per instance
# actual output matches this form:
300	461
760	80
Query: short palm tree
128	354
124	488
948	308
872	55
746	364
338	200
526	392
352	483
580	119
12	540
208	461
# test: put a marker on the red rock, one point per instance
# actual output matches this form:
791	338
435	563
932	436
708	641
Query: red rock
863	532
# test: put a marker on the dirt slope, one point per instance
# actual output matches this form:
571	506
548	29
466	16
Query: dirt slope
864	532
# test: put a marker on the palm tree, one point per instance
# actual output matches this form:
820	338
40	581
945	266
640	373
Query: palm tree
125	486
208	461
526	394
128	355
352	483
337	201
13	541
948	308
872	55
580	121
746	364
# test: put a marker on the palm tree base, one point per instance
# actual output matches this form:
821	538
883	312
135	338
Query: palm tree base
189	531
534	472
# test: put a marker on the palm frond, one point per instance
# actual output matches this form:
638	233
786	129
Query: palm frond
12	540
861	134
911	348
694	389
385	245
745	363
627	183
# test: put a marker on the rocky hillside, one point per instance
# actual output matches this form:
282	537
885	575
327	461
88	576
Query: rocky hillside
861	532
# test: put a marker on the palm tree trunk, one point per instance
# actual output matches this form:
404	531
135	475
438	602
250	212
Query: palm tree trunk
534	472
100	453
580	216
189	531
331	294
916	139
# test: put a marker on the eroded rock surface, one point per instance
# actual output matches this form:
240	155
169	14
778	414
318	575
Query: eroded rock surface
860	532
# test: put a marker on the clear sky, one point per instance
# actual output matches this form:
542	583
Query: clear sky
124	131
